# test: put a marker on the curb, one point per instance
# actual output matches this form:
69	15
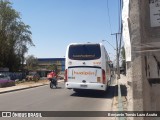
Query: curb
22	89
26	88
120	104
114	101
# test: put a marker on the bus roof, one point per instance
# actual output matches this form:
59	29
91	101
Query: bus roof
85	44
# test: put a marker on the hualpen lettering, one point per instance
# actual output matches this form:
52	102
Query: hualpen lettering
84	73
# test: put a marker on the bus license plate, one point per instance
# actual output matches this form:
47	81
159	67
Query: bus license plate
84	86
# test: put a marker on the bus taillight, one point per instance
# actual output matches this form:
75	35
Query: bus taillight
103	77
66	76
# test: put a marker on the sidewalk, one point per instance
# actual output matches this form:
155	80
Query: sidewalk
125	91
25	85
123	80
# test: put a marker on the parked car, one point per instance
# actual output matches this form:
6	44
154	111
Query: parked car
33	76
4	77
5	81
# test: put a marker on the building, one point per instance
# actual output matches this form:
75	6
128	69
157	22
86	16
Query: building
143	71
45	63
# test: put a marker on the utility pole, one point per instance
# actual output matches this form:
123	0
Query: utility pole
117	55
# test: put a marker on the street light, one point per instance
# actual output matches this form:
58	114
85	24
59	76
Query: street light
109	43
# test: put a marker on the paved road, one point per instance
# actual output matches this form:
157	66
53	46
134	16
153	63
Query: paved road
61	99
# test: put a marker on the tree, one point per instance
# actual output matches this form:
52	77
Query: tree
53	67
15	37
31	63
123	57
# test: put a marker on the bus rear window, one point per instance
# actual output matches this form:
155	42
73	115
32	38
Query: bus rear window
84	52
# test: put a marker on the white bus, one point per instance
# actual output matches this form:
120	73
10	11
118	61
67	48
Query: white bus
87	67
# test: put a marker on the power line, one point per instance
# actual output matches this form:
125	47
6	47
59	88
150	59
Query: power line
120	24
109	17
109	43
120	14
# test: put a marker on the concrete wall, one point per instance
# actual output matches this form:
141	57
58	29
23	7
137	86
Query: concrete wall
136	64
150	36
144	64
145	36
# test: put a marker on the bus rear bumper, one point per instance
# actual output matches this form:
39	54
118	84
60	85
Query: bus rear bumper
89	86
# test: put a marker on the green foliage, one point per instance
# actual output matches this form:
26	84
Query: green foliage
52	67
35	79
123	53
31	63
15	37
123	57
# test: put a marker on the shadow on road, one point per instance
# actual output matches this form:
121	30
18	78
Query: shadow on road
123	90
96	94
56	88
110	93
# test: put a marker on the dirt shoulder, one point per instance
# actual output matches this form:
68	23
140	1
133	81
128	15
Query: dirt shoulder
25	85
32	82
